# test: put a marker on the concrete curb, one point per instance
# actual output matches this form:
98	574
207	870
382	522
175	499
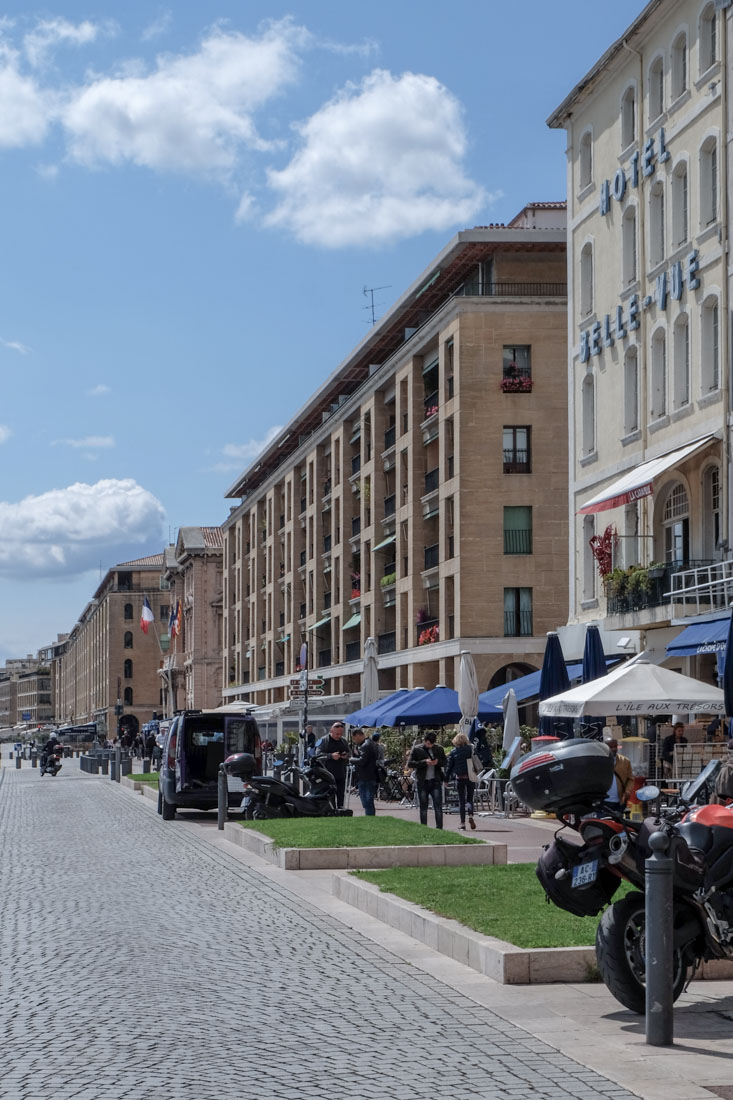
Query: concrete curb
125	781
501	961
149	792
409	855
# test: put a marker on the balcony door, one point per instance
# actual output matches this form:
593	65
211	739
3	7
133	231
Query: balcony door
676	526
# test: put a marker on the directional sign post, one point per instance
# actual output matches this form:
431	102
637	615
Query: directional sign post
304	688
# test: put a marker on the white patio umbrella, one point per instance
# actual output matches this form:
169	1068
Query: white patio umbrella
511	719
637	688
370	675
467	691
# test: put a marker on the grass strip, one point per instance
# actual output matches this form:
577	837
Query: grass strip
145	777
502	901
352	832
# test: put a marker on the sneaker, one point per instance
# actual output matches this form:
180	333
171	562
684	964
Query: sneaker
471	822
461	826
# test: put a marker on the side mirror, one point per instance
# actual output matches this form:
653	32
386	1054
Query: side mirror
647	794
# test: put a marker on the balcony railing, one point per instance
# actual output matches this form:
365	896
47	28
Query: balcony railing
387	643
389	506
708	586
326	544
518	542
355	526
352	651
657	586
432	480
516	462
516	379
513	290
432	556
431	405
327	487
428	632
389	437
517	624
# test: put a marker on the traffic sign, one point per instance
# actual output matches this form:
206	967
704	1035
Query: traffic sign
313	681
296	693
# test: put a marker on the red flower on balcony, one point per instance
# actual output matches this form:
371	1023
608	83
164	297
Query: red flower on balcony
516	385
429	635
355	593
430	411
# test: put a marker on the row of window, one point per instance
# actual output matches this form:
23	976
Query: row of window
665	84
670	374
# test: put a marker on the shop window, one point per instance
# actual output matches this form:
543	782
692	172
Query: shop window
628	244
586	159
681	373
589	414
656	88
710	359
680	205
631	391
708	182
586	279
679	66
656	224
658	405
628	118
708	38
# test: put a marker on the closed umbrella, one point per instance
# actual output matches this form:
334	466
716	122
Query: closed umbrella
370	675
511	720
594	665
553	681
728	671
467	691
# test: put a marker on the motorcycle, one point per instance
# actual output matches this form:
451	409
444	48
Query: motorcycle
51	763
571	780
266	797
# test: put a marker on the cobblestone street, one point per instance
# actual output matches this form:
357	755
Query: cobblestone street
138	961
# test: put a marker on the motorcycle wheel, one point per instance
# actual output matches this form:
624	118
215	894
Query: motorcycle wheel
620	949
249	813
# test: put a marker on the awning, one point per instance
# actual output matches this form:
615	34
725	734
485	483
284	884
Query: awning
709	637
384	542
321	622
638	483
285	638
353	621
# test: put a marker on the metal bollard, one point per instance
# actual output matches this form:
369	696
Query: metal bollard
18	761
34	760
105	767
118	765
112	764
146	766
659	933
222	804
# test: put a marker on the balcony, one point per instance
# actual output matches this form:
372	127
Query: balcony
428	632
518	542
432	480
303	505
327	489
432	556
389	437
387	643
516	379
355	465
517	461
352	651
324	658
629	591
326	544
517	624
514	290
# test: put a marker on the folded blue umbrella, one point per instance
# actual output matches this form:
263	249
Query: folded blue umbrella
554	680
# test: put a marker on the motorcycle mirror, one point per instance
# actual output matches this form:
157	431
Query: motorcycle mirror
647	794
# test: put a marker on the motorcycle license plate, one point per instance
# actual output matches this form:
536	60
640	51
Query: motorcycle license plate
585	873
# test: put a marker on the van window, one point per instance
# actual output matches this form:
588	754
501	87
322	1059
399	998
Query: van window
240	735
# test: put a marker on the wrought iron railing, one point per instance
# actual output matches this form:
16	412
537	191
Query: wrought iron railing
387	643
517	624
516	461
656	586
510	290
432	480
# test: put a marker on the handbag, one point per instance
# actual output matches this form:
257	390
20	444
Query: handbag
474	767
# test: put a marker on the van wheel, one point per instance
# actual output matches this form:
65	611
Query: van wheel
160	802
167	810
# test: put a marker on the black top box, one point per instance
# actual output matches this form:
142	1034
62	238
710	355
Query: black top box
566	777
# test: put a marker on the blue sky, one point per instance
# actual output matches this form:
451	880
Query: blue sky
192	203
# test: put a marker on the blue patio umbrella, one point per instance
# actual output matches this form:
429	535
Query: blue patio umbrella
594	665
438	707
728	672
371	715
553	680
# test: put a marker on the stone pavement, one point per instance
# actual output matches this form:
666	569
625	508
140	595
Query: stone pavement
312	999
144	959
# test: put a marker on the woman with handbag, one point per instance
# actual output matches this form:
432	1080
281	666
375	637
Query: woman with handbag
464	767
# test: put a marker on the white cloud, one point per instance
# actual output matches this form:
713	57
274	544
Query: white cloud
380	161
15	345
88	443
25	108
99	390
49	33
66	531
157	26
194	113
238	455
5	433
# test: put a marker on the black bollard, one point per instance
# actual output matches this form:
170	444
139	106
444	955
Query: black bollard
659	934
222	805
146	766
113	766
18	761
34	760
105	767
118	765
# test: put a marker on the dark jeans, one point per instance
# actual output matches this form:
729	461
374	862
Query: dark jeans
367	789
426	790
465	797
338	771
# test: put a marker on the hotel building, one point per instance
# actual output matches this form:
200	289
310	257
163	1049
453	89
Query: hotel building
649	331
419	495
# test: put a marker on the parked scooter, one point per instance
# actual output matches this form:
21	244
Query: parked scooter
571	780
51	763
266	797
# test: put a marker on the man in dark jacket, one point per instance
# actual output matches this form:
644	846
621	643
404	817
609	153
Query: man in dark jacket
365	770
428	760
334	754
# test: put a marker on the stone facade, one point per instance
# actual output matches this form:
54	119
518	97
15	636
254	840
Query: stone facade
419	495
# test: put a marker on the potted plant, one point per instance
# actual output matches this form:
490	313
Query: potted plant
616	582
387	579
656	570
637	583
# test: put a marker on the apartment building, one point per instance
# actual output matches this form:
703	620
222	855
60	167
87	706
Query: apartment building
108	672
649	331
33	696
9	675
191	672
419	495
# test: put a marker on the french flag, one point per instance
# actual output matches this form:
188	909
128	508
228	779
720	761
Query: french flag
146	616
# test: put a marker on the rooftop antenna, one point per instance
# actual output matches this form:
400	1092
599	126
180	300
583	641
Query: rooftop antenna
368	291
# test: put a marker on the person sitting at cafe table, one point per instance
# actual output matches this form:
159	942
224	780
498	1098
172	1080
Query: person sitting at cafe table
676	737
623	777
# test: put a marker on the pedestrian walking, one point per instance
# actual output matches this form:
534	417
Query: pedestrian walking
365	763
428	760
334	754
458	768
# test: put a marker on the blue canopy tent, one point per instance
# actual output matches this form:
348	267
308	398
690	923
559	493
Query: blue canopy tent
372	715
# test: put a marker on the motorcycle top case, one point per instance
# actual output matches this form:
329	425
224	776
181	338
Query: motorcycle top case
242	765
583	901
565	777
